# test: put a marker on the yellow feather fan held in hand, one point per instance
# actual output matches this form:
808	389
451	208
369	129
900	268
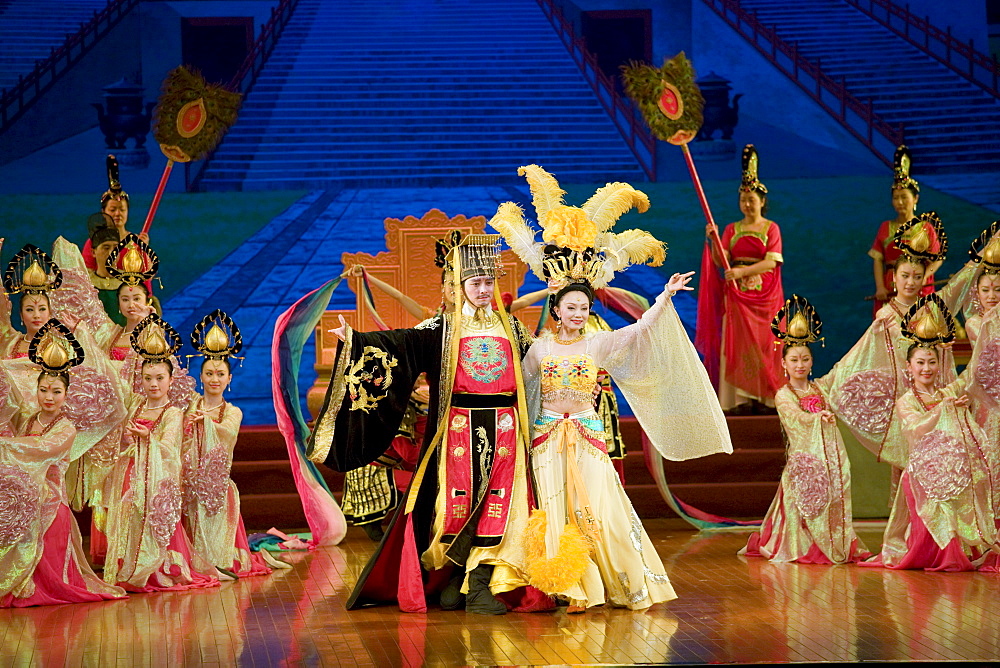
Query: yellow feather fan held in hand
579	228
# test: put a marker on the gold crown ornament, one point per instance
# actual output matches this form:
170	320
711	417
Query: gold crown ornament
985	250
31	271
132	261
216	336
750	181
476	255
913	239
444	245
577	242
114	191
55	349
901	170
929	323
154	339
802	324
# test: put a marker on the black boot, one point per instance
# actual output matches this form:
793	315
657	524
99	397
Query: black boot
452	597
374	531
479	600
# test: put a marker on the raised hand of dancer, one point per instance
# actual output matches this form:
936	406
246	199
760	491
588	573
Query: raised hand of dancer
142	431
679	282
960	402
353	270
828	417
340	332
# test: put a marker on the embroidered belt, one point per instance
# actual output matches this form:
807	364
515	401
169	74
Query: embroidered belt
483	400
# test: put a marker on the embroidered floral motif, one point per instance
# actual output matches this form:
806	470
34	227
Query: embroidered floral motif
76	295
987	372
105	451
369	378
165	511
459	451
502	451
505	423
751	283
87	404
18	505
809	484
812	403
211	480
940	466
459	422
483	358
867	401
430	323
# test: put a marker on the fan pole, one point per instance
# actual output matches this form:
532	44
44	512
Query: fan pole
159	193
714	235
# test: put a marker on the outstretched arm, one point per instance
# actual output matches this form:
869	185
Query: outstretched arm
411	306
527	300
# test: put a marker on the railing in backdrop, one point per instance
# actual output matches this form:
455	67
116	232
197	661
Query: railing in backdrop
858	117
960	56
17	100
243	81
620	108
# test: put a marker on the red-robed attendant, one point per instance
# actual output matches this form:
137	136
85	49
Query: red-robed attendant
467	507
743	299
885	253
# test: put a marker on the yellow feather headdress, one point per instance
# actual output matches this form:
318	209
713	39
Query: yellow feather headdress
577	242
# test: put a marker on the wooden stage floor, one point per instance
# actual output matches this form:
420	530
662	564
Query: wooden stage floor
729	609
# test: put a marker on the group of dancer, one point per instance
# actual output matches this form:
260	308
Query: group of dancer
896	390
97	412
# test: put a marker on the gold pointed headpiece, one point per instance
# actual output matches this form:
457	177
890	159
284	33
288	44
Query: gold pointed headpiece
154	339
55	349
132	261
751	181
31	271
929	323
901	170
577	242
914	239
802	324
986	249
217	337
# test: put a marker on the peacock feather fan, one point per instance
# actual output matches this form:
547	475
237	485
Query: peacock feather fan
668	97
192	115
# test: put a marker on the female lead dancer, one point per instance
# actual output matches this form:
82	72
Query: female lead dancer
810	520
585	541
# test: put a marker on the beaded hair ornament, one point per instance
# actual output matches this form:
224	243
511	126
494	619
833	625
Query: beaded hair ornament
32	272
802	324
114	190
985	250
55	354
477	255
216	336
154	339
901	170
751	181
132	261
577	243
929	323
914	241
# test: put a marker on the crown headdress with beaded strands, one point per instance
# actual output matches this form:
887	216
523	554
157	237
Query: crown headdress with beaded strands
802	324
914	241
577	242
928	322
132	261
154	339
55	349
31	271
216	336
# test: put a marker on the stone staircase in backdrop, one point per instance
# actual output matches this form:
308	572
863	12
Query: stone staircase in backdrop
418	93
951	124
30	29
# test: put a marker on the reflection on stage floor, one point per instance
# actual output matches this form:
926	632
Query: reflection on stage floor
730	609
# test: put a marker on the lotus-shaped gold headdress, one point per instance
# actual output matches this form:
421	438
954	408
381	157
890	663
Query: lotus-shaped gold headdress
54	348
802	323
31	271
216	336
929	323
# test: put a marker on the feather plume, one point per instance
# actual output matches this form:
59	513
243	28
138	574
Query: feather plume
545	191
611	202
509	222
632	247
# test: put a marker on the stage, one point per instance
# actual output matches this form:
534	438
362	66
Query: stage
729	610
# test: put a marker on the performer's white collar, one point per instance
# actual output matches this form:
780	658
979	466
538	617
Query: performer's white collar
469	310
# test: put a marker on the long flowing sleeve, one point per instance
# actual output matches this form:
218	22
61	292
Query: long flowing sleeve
371	383
959	292
658	370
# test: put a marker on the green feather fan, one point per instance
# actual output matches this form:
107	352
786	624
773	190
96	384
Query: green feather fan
191	115
668	97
